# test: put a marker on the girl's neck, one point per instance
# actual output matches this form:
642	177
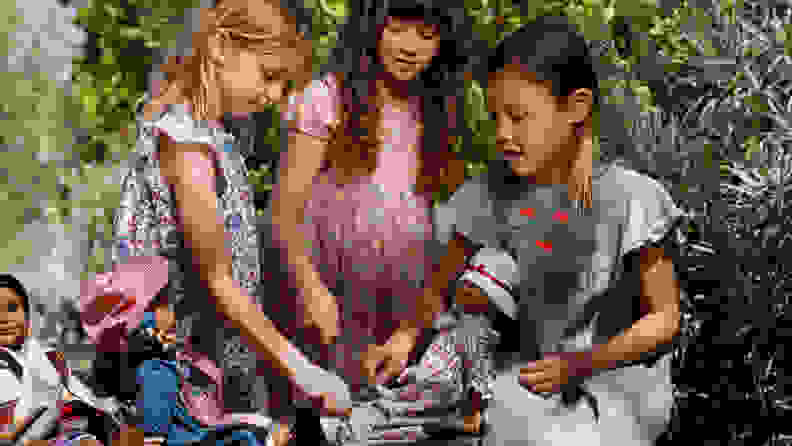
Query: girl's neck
392	90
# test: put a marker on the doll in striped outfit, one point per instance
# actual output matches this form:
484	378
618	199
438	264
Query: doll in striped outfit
455	373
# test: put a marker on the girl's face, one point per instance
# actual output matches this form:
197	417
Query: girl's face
251	73
13	323
407	47
534	129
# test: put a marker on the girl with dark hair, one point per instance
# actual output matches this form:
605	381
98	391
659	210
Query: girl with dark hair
369	144
599	302
35	383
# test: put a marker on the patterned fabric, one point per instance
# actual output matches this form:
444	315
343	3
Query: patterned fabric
579	288
367	239
147	224
457	361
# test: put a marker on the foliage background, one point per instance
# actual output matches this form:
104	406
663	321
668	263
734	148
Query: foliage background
698	95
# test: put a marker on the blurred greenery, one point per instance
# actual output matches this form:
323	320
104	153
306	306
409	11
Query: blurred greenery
711	77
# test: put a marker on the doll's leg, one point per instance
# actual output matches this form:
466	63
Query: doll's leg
157	398
479	341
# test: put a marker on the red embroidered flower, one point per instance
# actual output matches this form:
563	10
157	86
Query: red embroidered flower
547	246
527	212
563	217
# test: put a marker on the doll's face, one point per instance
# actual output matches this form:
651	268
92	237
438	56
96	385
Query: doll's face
13	322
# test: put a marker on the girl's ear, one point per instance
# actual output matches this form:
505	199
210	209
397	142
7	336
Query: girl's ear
580	105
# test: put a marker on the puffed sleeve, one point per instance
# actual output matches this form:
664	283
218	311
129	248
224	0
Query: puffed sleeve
652	215
467	214
314	111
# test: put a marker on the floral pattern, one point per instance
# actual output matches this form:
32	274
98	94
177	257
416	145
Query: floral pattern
147	223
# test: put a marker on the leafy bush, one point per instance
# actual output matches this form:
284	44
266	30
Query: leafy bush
709	77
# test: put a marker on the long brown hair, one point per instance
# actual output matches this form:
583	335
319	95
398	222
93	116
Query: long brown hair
195	74
358	136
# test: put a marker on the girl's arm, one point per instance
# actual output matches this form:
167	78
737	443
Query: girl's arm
660	323
292	190
190	171
443	272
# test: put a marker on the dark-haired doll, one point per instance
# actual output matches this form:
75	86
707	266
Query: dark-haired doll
456	372
178	392
35	383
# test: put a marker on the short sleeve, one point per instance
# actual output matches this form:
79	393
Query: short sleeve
314	111
178	124
651	216
468	213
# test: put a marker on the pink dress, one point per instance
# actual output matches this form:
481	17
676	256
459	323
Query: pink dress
368	238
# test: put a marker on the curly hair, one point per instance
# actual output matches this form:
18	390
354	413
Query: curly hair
355	143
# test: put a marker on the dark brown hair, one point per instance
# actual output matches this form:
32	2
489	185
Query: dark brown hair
355	143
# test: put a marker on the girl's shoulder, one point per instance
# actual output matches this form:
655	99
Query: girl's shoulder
176	121
616	182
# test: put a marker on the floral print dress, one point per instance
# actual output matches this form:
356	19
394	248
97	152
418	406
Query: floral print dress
147	223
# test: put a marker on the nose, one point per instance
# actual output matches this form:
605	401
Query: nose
410	44
503	130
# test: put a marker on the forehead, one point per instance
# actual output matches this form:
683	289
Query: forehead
411	20
261	16
514	85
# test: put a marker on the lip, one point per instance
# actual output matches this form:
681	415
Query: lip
512	154
404	62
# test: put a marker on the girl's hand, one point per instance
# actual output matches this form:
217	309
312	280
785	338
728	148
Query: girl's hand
551	374
383	363
328	406
321	315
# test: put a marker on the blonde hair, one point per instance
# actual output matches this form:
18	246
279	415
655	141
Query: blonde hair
196	74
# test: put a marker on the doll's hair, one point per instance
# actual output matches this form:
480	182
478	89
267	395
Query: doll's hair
354	145
196	73
12	283
551	50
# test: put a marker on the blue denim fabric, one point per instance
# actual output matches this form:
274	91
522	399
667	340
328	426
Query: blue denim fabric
163	413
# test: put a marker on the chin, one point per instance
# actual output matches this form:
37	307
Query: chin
523	168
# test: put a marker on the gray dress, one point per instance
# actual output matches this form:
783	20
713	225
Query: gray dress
579	286
147	223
